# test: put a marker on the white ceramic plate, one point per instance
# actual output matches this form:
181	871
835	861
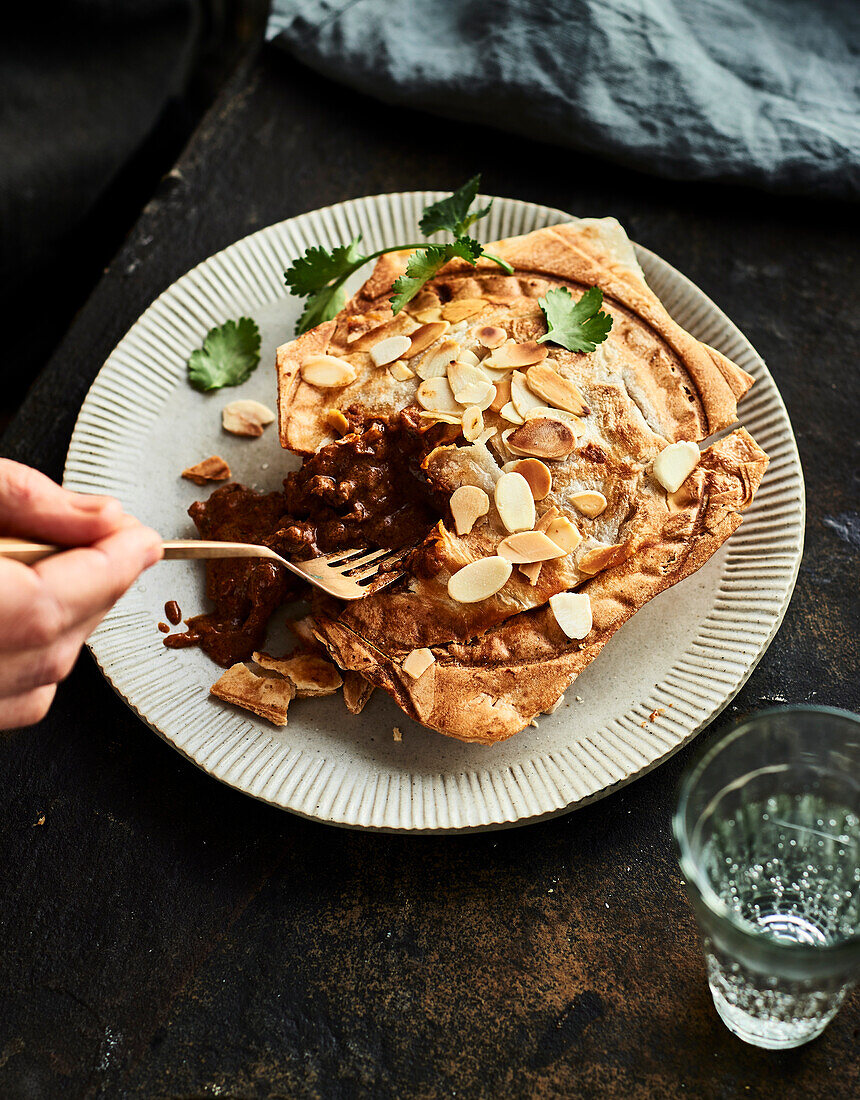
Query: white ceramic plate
663	677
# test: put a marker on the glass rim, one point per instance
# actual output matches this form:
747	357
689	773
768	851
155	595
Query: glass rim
696	877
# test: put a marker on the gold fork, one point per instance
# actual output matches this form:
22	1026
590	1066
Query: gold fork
347	574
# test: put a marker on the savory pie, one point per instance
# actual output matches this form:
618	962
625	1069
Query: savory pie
540	496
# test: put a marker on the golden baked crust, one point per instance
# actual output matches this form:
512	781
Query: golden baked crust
503	660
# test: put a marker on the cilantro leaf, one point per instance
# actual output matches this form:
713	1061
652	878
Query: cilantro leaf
228	356
577	326
452	213
426	262
312	272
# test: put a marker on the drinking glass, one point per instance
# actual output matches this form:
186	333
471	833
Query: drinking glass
768	828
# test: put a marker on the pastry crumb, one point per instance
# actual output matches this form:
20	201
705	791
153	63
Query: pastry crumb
398	736
39	821
213	468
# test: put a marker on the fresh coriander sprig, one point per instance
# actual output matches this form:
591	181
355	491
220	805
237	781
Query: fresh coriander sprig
577	326
319	275
228	356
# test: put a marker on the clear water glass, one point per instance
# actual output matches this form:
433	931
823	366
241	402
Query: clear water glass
768	828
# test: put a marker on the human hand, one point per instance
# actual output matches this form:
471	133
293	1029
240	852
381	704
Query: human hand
48	610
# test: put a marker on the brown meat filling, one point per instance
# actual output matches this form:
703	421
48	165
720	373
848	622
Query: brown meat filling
366	489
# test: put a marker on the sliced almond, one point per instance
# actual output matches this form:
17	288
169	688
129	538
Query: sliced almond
473	423
469	386
424	299
479	580
435	395
531	571
461	308
441	418
471	360
327	370
267	696
521	394
468	504
436	362
552	513
246	418
512	355
416	663
356	691
536	474
503	394
428	316
311	675
491	336
387	351
674	464
572	611
213	468
599	557
529	546
335	419
486	435
400	372
544	412
590	503
563	533
555	390
542	438
515	502
509	413
424	336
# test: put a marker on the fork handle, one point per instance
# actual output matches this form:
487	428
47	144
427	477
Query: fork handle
30	552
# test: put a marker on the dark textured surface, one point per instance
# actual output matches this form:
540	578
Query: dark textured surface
164	936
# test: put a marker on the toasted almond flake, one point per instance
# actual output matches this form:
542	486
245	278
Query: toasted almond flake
600	557
555	390
552	513
531	571
356	691
424	299
424	336
213	468
473	423
246	418
468	504
335	419
434	394
563	533
572	611
400	372
441	417
436	362
479	580
396	326
503	394
519	355
542	438
267	696
521	394
327	370
674	464
416	663
470	359
509	413
529	546
536	474
544	412
461	308
515	502
469	385
590	502
486	435
491	336
428	316
311	675
390	349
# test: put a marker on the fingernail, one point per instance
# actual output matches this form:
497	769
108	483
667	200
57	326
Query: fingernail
85	503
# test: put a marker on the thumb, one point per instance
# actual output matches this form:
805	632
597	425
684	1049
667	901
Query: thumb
33	506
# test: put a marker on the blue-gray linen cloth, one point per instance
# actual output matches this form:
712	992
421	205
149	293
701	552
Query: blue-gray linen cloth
763	92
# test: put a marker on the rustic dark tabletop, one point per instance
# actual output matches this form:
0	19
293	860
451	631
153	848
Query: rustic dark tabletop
164	936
